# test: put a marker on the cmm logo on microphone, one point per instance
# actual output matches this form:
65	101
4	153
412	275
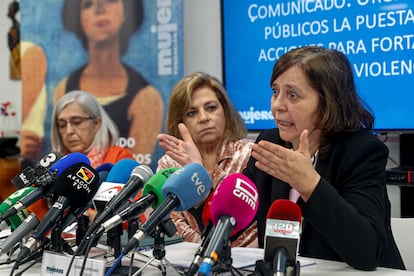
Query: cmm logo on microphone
85	174
246	192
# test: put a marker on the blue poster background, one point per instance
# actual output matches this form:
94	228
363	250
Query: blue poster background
376	36
42	24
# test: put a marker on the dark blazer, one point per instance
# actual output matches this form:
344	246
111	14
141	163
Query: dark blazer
347	218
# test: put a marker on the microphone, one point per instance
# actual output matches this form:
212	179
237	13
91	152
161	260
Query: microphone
283	223
205	238
27	225
139	175
30	223
104	167
45	182
185	188
120	173
113	182
74	188
233	206
103	171
151	196
28	175
15	220
49	176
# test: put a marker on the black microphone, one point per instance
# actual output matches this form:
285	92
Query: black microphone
184	189
233	206
151	196
28	175
113	179
74	188
139	176
46	182
53	216
205	238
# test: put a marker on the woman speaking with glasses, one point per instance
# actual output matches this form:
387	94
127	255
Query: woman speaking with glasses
80	124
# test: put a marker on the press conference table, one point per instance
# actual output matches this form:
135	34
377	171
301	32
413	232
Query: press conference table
181	254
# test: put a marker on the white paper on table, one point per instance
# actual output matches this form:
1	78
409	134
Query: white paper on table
182	254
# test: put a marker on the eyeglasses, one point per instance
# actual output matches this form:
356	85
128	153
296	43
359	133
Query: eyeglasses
74	122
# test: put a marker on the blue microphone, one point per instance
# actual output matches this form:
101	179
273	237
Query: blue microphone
74	188
130	173
45	182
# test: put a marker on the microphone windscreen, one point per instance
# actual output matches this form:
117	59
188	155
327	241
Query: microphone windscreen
191	184
39	208
121	171
104	167
68	160
14	198
78	184
103	171
206	214
284	209
155	183
236	196
47	161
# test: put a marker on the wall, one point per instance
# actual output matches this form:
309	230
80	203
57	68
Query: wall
202	45
202	48
202	37
9	90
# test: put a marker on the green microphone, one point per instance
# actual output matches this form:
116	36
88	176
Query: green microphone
154	185
15	220
151	196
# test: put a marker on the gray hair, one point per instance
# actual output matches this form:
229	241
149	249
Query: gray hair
107	134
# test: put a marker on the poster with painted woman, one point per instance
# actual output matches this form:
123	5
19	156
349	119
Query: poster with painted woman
127	53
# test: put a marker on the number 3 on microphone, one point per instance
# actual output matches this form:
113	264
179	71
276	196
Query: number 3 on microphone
48	160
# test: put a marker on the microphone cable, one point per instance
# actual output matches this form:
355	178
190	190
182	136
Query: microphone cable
115	264
37	254
89	240
34	255
88	248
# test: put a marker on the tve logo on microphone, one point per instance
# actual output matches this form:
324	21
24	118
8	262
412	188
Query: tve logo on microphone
246	192
200	187
195	177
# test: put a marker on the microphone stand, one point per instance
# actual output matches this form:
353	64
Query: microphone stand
114	239
225	262
166	227
263	268
58	244
56	239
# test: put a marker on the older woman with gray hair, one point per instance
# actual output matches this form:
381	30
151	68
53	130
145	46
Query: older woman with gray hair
80	124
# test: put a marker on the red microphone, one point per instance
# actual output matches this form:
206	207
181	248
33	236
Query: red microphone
283	227
205	237
206	214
